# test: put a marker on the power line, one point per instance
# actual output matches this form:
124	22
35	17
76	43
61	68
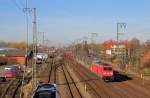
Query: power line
27	23
22	3
16	4
27	30
26	3
27	27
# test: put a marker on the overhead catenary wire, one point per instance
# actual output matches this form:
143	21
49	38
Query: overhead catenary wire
22	4
27	24
27	42
17	5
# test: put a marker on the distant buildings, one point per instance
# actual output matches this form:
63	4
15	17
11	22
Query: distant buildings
114	48
10	56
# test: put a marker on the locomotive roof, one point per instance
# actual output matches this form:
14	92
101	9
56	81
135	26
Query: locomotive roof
101	63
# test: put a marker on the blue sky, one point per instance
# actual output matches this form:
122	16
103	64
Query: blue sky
65	21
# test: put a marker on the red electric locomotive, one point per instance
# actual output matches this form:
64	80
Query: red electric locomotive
105	71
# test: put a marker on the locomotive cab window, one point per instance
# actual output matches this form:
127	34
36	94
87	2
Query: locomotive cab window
107	68
98	63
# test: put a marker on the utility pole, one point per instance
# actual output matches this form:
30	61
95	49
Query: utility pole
93	35
47	42
34	27
119	26
43	38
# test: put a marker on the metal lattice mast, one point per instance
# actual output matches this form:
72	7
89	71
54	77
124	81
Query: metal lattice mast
120	25
43	38
34	25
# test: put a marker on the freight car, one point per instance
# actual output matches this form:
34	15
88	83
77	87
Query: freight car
105	71
69	54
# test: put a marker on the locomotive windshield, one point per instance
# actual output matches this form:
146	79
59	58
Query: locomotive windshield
107	68
98	63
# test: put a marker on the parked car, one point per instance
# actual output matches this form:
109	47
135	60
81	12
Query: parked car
42	56
12	71
105	71
46	90
38	61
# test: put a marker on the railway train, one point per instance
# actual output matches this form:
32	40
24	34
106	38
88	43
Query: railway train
46	90
69	54
105	71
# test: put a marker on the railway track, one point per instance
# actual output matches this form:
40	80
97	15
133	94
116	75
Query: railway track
88	82
12	87
11	90
52	72
99	88
132	88
59	74
73	89
3	85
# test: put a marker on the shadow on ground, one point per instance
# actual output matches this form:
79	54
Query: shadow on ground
120	77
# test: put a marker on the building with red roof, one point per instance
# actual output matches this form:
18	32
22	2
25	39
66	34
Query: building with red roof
118	48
